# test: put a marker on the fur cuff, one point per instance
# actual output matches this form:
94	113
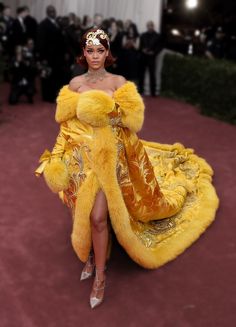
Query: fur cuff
93	107
66	104
56	176
131	106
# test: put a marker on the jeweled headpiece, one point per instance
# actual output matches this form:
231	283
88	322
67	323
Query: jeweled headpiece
92	37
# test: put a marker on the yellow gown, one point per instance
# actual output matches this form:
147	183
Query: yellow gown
160	197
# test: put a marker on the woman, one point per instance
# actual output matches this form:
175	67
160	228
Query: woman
130	45
115	38
159	197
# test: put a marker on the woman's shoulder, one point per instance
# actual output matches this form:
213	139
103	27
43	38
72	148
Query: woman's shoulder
76	82
117	80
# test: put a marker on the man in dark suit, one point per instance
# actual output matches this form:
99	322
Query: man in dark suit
18	29
7	21
150	46
31	25
6	17
51	48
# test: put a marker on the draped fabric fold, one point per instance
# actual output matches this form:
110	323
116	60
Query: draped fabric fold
160	197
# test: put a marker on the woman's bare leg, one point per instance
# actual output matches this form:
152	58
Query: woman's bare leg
99	228
100	237
100	242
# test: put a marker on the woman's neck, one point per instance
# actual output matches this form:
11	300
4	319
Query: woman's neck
94	75
96	71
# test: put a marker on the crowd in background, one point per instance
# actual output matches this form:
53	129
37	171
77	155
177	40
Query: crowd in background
49	49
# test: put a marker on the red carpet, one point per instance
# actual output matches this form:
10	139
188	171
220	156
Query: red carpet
39	276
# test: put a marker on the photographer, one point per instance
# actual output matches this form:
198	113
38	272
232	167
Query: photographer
22	73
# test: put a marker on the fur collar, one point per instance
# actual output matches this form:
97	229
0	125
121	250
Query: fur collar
67	100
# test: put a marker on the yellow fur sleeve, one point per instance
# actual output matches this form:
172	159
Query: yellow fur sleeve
55	172
131	106
66	104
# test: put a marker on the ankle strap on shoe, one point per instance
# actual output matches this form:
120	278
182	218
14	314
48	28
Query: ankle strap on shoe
97	270
101	269
100	287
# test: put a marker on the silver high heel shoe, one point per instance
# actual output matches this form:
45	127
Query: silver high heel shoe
89	264
99	285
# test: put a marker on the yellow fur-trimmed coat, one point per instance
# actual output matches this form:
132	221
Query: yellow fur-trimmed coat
160	197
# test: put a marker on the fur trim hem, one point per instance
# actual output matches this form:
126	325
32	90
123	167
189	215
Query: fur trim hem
81	233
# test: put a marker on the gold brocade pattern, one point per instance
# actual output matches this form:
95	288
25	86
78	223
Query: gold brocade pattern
158	231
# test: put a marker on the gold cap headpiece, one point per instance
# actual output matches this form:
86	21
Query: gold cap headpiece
92	39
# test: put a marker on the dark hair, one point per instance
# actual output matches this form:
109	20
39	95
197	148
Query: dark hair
133	27
1	7
82	60
21	9
120	25
6	7
85	20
